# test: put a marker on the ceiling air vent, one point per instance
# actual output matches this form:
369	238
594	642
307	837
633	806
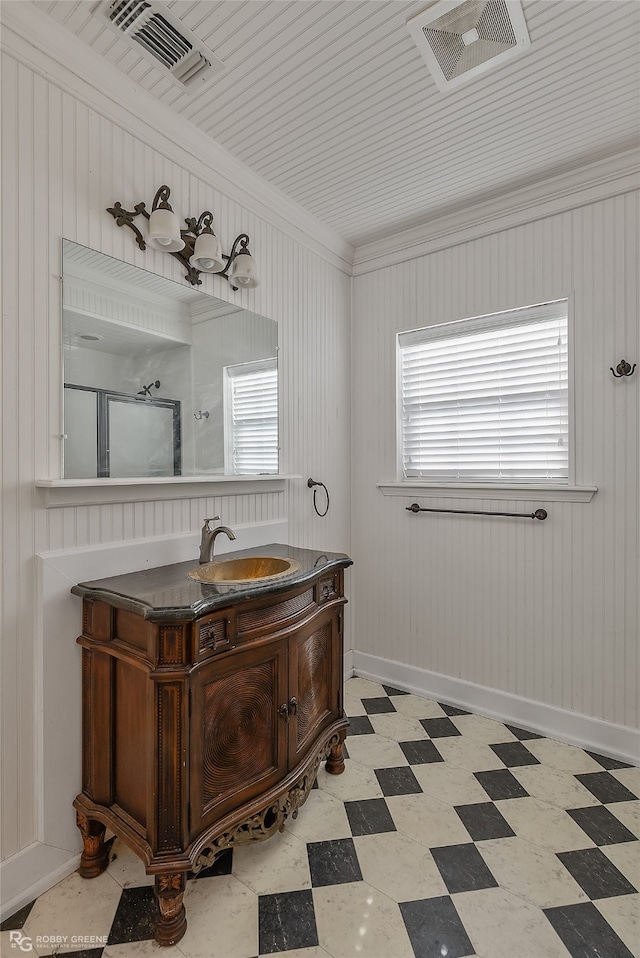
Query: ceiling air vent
460	41
165	40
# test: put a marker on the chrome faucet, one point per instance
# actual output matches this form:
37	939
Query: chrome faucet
208	538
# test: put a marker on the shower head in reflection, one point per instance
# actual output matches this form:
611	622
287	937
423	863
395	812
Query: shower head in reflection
146	390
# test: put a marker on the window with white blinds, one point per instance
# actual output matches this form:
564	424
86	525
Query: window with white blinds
486	399
251	418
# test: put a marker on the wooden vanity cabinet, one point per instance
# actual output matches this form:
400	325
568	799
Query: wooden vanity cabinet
202	734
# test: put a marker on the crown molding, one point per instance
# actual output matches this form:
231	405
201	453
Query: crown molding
589	183
38	42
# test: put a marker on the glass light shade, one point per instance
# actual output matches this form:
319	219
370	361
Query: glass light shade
243	272
207	254
164	231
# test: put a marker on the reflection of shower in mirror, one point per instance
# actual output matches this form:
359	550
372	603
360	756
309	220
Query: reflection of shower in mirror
128	332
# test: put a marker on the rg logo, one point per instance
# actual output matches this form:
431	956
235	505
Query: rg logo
18	940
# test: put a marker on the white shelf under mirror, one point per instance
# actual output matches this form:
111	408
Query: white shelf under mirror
92	492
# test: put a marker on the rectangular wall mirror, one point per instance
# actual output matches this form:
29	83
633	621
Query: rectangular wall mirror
161	379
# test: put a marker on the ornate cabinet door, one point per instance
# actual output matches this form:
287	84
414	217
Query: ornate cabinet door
238	736
315	669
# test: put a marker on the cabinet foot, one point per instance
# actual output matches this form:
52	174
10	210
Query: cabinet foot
171	921
335	760
95	855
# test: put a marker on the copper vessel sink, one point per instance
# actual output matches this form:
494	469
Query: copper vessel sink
247	569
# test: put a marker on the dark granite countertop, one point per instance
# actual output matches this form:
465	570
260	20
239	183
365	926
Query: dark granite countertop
167	593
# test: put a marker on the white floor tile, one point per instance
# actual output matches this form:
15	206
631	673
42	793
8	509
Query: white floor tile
565	758
276	865
483	729
400	728
427	820
416	707
467	753
357	921
626	858
500	925
357	783
535	874
554	787
363	688
623	914
376	751
399	867
75	907
320	819
545	825
222	919
455	786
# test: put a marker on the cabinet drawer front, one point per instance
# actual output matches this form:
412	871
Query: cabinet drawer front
280	613
214	634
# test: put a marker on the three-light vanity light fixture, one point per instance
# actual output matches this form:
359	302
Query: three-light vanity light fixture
197	247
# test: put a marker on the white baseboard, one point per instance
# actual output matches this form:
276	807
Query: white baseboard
618	741
32	871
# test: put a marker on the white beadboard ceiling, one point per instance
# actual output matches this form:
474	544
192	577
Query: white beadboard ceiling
331	101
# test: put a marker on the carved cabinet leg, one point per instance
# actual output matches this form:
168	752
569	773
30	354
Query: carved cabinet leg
171	922
95	856
335	759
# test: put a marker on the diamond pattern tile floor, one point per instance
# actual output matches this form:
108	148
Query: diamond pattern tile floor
448	834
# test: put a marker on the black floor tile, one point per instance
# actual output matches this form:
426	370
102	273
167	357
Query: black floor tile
369	817
378	706
135	916
595	873
601	826
585	933
452	710
333	863
439	727
463	868
287	921
483	821
422	752
522	733
514	754
606	788
435	929
223	865
397	781
501	784
17	920
607	762
345	753
391	691
360	725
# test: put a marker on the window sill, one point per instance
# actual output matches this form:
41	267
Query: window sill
57	493
523	492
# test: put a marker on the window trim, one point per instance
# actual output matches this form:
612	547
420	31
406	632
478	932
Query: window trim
570	490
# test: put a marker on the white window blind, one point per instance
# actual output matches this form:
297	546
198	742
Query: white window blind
251	418
487	398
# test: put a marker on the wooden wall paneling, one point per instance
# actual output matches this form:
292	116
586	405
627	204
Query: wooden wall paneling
543	611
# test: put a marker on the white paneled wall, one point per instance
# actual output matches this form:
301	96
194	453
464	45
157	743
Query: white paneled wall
64	162
543	610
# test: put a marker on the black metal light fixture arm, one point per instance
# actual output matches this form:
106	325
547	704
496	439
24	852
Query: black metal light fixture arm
189	235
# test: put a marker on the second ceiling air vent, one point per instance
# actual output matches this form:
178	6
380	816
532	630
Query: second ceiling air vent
165	40
461	40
